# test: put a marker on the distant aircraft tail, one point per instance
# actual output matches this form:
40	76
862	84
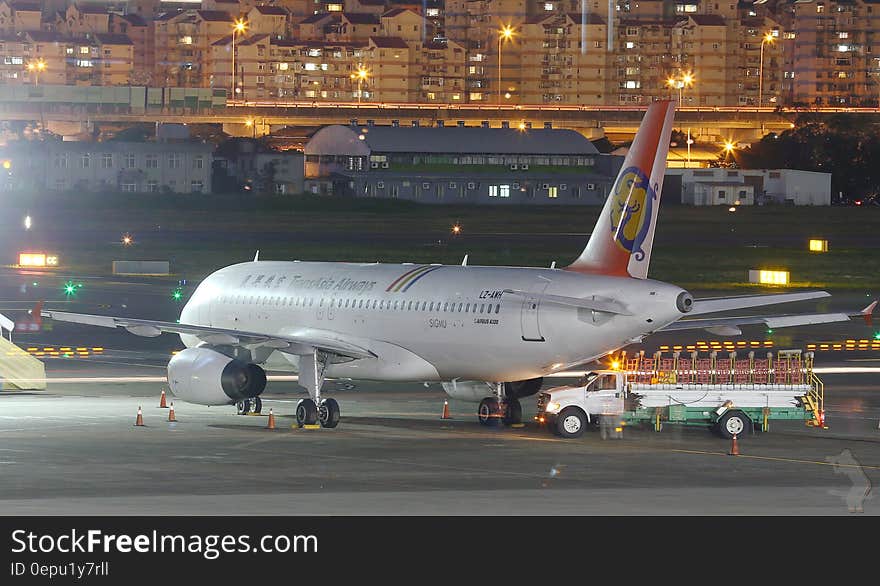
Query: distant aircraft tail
621	242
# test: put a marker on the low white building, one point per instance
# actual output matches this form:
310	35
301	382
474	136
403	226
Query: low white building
726	186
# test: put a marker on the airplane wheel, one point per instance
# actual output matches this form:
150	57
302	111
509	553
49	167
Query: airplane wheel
328	413
257	405
512	412
489	412
306	412
243	407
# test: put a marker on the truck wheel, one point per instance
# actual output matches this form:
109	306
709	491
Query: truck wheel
570	422
732	423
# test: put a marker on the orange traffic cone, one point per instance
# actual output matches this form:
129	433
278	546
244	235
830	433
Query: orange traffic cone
271	424
734	447
445	411
162	404
139	422
171	413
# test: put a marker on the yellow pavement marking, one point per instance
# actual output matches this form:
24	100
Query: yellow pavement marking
793	460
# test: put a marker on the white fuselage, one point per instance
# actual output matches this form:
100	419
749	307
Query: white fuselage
431	322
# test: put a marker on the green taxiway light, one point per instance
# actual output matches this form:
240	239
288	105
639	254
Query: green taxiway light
177	294
877	336
769	331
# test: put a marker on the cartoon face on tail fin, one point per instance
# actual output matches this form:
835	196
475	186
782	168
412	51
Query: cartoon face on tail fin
621	242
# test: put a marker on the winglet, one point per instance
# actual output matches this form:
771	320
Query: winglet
257	256
868	312
37	313
464	261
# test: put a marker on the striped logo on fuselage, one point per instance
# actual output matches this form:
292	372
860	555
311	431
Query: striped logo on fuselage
406	280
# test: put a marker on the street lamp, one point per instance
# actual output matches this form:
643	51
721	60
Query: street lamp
505	34
361	75
36	67
250	124
238	26
685	80
768	38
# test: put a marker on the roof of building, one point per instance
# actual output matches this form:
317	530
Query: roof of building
397	11
168	15
27	6
214	15
389	42
360	18
467	140
133	19
91	9
112	39
315	18
591	18
708	19
45	36
372	2
271	10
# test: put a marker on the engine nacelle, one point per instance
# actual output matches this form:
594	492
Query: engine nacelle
523	388
207	377
476	391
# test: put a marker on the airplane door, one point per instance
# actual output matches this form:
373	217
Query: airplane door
331	309
529	316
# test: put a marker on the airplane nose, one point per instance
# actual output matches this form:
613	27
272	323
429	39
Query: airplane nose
684	302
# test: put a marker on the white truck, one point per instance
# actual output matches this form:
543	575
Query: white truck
728	395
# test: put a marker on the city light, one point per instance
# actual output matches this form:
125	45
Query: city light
728	147
456	229
32	259
7	164
818	245
127	240
28	222
36	67
361	74
769	277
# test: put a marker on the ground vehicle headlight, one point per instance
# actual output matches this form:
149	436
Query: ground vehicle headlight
552	407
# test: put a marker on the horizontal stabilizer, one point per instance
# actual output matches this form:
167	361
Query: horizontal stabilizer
718	304
729	326
606	306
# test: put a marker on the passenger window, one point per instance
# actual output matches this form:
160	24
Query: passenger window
431	307
445	306
395	304
467	308
497	308
424	305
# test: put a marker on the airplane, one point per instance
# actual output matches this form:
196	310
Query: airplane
488	334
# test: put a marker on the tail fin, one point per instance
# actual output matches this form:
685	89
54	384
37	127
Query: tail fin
621	242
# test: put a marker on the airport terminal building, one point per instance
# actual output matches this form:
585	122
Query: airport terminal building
459	165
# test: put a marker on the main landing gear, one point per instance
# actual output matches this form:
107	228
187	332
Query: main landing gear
249	406
500	409
315	410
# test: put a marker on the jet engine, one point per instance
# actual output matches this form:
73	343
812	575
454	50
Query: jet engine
523	388
476	391
207	377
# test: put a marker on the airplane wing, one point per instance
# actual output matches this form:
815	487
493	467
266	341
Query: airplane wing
604	305
730	326
298	343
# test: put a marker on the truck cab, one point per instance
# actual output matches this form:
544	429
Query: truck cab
597	398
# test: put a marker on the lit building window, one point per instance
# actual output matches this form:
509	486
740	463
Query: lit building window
84	50
548	6
186	40
552	192
476	96
334	8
